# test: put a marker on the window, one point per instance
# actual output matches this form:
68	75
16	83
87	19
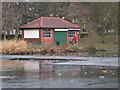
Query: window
46	33
71	33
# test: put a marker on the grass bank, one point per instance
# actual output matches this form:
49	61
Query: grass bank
99	46
110	42
23	48
108	39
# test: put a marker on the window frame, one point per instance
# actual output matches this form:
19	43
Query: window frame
70	31
49	31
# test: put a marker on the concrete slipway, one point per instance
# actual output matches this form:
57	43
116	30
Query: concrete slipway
82	61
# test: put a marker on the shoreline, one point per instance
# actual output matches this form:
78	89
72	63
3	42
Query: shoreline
86	61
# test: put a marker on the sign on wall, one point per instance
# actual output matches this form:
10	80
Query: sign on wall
31	33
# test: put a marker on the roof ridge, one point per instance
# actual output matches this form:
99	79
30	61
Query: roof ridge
50	17
43	21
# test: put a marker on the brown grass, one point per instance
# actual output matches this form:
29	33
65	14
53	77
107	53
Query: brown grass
13	47
22	47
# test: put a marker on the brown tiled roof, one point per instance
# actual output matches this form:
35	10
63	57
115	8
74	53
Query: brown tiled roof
49	22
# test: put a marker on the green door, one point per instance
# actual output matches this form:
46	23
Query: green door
60	37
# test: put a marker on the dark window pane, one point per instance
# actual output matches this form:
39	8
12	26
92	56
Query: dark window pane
46	33
71	33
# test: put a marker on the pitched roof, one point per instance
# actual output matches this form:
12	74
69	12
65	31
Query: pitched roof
49	22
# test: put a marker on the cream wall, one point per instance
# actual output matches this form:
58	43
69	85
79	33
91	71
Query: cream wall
31	33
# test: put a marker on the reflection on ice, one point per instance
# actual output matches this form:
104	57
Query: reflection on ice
41	74
7	77
59	74
101	76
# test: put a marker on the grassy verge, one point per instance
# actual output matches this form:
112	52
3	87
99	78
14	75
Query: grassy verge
110	42
99	46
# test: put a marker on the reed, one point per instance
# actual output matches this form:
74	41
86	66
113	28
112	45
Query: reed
22	48
13	47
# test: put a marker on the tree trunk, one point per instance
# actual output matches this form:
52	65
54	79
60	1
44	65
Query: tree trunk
79	36
103	41
8	35
16	34
5	30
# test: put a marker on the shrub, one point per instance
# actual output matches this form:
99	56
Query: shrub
92	49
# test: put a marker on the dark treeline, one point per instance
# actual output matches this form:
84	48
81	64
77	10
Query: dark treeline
100	17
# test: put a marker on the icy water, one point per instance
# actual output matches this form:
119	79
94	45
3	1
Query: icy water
38	74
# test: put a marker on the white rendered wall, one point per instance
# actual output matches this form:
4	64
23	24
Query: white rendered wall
31	33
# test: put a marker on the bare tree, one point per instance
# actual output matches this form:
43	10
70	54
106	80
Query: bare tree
7	17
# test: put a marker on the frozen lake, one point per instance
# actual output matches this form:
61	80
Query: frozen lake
56	74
